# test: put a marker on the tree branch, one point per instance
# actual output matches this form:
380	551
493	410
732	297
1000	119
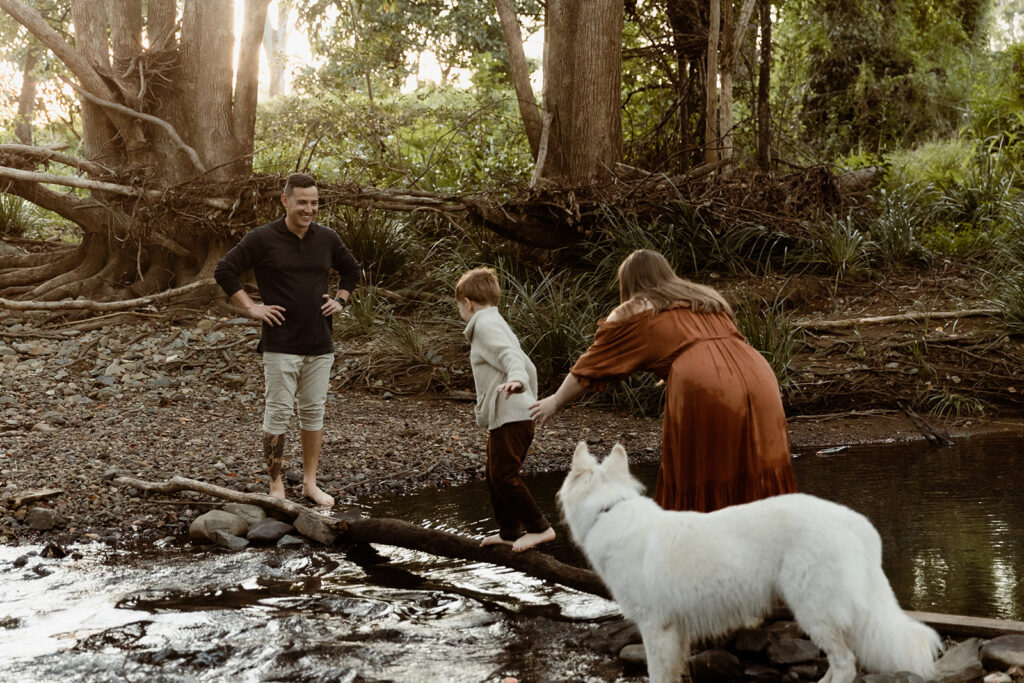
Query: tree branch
397	533
155	120
76	304
902	317
98	185
47	154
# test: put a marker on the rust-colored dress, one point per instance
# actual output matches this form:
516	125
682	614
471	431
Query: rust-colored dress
724	437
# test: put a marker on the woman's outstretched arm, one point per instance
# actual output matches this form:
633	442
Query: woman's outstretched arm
544	409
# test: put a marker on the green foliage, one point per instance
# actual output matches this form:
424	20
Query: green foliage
366	315
952	406
837	245
769	328
903	215
16	216
378	240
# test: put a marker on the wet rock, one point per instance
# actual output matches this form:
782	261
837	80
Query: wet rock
961	663
809	671
751	639
268	531
762	673
310	527
289	541
10	623
633	654
20	561
785	628
229	541
1003	652
43	427
998	677
41	570
792	651
53	551
715	665
252	514
612	636
205	525
898	677
43	519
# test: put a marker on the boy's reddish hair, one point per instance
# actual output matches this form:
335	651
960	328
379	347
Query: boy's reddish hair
479	285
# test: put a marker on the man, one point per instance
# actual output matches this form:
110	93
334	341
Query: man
292	258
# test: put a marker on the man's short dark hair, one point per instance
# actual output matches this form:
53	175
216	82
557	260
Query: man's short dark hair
298	180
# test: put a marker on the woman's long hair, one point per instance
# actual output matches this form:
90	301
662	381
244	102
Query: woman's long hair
647	274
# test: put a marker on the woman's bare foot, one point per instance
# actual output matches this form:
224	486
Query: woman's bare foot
317	496
494	539
527	541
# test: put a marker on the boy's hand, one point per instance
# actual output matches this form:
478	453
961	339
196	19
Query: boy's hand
510	388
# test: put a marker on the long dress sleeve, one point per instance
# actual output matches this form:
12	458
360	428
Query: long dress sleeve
619	349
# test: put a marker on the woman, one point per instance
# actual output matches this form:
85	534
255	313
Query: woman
724	438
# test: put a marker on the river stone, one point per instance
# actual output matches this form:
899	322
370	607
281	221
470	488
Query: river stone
611	637
204	526
310	527
634	654
760	672
250	513
229	541
43	519
809	671
268	531
998	677
1003	652
715	665
751	639
792	651
898	677
289	541
961	663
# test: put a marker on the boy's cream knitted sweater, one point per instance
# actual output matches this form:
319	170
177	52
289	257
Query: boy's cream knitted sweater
497	358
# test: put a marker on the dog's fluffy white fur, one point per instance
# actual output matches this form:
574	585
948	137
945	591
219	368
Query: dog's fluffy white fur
682	576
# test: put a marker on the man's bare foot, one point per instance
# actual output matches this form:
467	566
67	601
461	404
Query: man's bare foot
277	488
317	496
494	539
527	541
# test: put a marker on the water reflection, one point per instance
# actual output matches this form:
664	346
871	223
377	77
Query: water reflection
951	519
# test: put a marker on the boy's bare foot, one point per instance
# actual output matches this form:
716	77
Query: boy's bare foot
277	488
527	541
317	496
494	539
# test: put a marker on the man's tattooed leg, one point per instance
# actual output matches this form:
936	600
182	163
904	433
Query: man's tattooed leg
273	451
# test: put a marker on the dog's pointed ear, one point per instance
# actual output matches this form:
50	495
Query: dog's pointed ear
617	463
581	458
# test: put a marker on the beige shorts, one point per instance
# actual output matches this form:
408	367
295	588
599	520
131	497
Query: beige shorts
292	382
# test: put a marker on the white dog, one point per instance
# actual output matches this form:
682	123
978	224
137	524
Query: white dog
682	576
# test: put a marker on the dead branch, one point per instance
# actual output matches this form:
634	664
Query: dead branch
75	304
395	532
900	318
50	154
98	185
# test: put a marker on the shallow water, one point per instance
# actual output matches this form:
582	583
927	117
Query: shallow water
951	519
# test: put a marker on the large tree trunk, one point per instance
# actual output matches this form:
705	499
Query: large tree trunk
764	133
167	134
27	99
732	42
711	143
275	40
520	72
582	81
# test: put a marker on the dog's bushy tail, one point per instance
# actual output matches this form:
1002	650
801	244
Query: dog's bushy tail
887	639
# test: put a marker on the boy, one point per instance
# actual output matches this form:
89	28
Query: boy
506	384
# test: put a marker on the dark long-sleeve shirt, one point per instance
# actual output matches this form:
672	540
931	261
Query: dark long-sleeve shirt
292	273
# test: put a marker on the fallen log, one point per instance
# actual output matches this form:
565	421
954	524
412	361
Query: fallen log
395	532
899	318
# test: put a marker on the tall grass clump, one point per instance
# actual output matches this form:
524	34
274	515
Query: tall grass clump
837	245
554	319
377	239
904	214
769	328
16	216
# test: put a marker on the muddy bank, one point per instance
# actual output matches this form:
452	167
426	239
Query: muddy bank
165	396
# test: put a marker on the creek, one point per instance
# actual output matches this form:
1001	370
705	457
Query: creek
951	520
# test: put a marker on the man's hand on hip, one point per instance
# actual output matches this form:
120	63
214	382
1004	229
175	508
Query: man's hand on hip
270	314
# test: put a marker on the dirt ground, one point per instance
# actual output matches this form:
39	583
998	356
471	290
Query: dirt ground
160	393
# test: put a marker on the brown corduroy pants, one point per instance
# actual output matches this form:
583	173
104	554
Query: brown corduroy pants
514	507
